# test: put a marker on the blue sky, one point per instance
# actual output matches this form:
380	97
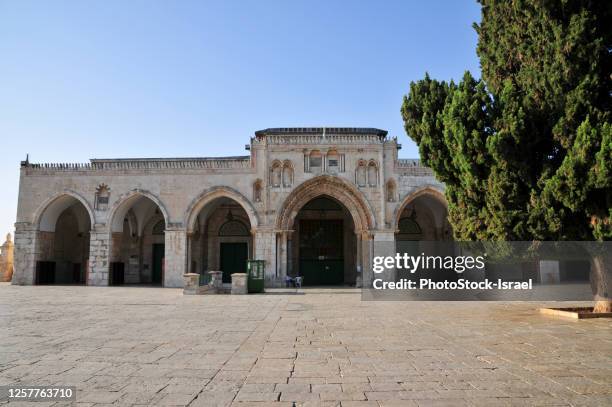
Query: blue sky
99	79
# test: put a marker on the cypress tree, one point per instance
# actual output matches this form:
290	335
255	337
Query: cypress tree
526	150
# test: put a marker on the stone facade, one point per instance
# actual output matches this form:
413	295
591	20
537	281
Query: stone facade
117	214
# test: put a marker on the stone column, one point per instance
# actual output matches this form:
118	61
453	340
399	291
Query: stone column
265	249
25	254
383	244
283	255
359	261
289	253
175	256
99	255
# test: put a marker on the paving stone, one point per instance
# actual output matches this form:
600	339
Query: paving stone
144	346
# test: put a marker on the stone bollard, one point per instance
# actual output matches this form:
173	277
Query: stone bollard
191	283
239	283
216	281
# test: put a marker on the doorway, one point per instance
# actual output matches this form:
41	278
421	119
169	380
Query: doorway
158	263
233	259
321	251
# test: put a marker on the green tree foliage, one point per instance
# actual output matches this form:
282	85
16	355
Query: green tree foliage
525	151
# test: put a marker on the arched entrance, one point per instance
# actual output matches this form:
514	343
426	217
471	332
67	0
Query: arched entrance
422	225
323	249
220	223
423	216
63	241
321	225
137	250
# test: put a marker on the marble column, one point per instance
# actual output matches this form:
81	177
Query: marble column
265	249
175	257
99	255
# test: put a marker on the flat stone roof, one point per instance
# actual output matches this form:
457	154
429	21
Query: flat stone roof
113	160
289	131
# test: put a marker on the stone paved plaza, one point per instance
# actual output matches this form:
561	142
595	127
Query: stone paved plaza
153	346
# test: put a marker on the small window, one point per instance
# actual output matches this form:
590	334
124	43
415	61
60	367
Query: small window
333	162
234	228
315	161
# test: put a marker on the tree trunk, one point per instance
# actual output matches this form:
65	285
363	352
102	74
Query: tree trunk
601	281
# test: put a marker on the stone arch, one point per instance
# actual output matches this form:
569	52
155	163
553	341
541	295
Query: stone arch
122	205
333	187
430	190
209	195
47	214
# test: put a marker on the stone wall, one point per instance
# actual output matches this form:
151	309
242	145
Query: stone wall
177	186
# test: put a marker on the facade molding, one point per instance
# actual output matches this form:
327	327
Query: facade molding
334	187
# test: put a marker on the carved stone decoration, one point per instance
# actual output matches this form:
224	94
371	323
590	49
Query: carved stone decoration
360	174
391	191
257	187
102	197
287	174
372	173
275	174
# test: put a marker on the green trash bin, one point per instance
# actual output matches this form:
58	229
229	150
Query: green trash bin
255	271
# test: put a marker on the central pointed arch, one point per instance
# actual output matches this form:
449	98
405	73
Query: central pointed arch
334	187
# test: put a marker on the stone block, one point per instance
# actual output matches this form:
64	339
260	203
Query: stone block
239	283
191	283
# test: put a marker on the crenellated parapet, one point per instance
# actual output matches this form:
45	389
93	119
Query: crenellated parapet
221	163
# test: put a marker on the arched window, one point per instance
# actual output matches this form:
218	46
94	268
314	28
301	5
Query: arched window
257	190
275	174
360	174
372	174
315	161
234	228
287	173
391	191
159	228
333	161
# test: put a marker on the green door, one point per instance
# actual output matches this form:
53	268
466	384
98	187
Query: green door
233	259
158	263
321	252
